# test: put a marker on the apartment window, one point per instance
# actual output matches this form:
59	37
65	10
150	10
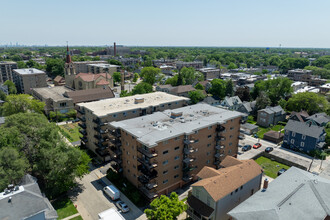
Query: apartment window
209	136
229	152
293	134
208	145
177	148
196	141
176	157
230	136
134	112
176	176
169	104
176	167
165	152
304	137
208	162
231	193
236	190
292	141
114	115
165	181
165	172
196	132
207	153
124	114
165	162
231	128
230	144
63	104
210	127
134	165
177	138
128	170
176	103
133	137
302	144
162	106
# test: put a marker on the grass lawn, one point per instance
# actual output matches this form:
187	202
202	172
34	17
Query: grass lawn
264	130
64	207
270	167
71	131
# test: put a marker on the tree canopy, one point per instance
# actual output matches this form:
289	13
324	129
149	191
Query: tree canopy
149	74
21	103
36	146
142	88
165	208
116	77
196	96
218	88
11	87
308	101
229	88
55	67
243	93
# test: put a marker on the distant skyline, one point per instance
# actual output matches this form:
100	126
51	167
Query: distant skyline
219	23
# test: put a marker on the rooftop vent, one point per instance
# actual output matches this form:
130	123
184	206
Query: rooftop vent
138	100
176	114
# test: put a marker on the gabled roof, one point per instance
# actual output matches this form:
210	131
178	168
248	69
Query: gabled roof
90	95
271	110
320	118
229	178
102	82
90	77
182	89
58	79
304	128
301	116
235	100
296	194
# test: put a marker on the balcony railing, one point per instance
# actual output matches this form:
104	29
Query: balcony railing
147	193
82	125
117	160
188	141
152	153
83	132
115	142
218	155
81	111
82	118
116	151
220	138
150	186
187	178
188	168
84	139
188	160
219	147
188	150
115	133
216	162
220	128
100	130
148	164
100	145
151	174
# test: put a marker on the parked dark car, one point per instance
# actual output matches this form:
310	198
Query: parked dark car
246	148
269	149
281	171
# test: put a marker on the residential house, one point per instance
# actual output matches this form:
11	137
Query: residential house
182	90
210	73
59	81
249	128
232	103
273	136
299	116
319	119
247	107
164	88
270	116
211	100
324	89
206	84
219	191
25	201
296	194
303	136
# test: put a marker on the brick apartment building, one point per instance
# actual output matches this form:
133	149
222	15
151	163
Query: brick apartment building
6	70
161	152
26	79
94	116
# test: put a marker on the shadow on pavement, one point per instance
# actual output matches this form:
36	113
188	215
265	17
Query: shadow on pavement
73	194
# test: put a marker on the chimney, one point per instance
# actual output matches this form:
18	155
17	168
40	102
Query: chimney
114	49
265	184
122	83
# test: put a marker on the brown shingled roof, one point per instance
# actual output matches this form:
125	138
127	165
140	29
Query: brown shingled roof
230	161
89	95
58	79
182	89
229	178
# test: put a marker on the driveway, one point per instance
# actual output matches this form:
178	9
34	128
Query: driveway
90	199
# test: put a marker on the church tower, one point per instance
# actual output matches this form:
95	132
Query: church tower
70	71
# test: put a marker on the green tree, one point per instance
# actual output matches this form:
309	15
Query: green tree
115	62
189	75
232	66
262	101
199	86
49	158
16	58
173	80
72	113
229	88
142	88
12	167
180	81
55	67
21	103
165	208
243	93
3	96
21	65
136	77
196	96
125	93
11	87
264	71
218	88
116	77
308	101
149	74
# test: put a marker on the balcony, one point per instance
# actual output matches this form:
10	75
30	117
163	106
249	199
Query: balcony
150	186
216	162
83	132
148	164
115	142
188	141
188	168
147	193
100	145
186	178
84	139
188	150
115	133
150	174
220	128
188	160
102	153
116	151
82	125
219	147
100	130
117	160
220	138
143	179
81	111
218	155
82	118
152	153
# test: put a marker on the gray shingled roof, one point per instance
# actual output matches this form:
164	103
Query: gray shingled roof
296	194
271	110
235	100
304	128
320	118
25	202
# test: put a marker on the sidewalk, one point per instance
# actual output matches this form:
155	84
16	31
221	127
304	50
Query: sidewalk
72	216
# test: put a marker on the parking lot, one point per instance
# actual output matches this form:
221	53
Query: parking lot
90	199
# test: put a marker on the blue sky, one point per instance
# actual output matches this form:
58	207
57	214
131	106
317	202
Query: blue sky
258	23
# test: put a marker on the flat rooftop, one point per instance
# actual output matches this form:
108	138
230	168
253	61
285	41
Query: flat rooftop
160	126
55	93
29	71
103	65
113	105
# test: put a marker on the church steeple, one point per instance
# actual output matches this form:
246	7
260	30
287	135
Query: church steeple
70	71
68	57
